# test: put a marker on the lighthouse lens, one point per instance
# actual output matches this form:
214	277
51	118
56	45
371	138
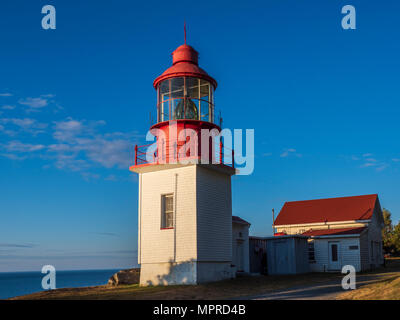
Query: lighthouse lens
186	98
186	109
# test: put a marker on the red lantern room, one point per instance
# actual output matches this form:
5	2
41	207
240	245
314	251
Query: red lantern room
185	91
185	100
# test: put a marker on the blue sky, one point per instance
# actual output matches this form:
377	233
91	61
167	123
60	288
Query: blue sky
323	101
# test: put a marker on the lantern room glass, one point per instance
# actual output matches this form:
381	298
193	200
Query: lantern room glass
185	98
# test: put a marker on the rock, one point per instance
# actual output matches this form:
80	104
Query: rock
128	276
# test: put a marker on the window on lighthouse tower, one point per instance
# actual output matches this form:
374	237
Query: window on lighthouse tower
167	211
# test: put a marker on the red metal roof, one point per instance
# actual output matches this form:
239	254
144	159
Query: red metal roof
327	210
184	63
239	220
333	232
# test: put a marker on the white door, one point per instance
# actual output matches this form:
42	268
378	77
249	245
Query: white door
334	261
239	255
281	257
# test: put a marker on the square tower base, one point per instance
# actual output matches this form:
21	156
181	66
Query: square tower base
186	272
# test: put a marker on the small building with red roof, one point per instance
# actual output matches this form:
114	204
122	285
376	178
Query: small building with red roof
341	231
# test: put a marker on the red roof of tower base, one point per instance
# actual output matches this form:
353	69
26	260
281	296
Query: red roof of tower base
239	220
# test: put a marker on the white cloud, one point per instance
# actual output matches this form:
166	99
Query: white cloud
382	167
111	177
289	152
5	94
18	146
372	162
81	146
90	176
368	164
24	124
67	130
8	107
13	156
34	102
77	145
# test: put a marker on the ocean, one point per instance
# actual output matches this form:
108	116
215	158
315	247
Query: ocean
14	284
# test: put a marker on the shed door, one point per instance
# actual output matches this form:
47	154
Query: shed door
334	261
281	257
239	255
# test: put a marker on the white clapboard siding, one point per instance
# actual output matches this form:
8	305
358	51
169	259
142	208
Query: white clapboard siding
375	239
178	244
346	255
364	252
240	233
214	215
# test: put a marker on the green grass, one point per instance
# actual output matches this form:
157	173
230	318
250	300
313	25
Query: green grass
383	283
239	287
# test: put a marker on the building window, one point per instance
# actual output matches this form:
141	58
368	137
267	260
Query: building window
167	211
334	252
353	247
311	252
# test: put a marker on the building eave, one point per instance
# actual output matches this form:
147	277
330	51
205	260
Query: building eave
320	223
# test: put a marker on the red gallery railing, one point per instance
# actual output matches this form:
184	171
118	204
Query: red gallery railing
177	152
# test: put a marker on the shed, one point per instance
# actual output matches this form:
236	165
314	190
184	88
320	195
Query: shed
258	255
287	254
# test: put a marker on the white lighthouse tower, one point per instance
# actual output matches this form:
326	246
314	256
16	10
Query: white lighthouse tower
185	207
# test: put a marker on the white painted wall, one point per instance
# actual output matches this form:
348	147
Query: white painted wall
375	239
168	245
345	255
199	247
243	229
214	215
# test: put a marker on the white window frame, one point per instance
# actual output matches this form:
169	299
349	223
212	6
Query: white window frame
167	223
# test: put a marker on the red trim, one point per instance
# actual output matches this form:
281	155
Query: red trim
333	232
200	123
166	228
184	74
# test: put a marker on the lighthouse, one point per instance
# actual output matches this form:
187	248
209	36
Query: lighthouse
185	205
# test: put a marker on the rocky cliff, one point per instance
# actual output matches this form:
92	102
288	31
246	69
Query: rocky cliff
128	276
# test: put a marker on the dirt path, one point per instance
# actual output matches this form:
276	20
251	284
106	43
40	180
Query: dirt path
329	290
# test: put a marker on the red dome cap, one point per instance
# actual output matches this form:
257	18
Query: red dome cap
185	53
184	64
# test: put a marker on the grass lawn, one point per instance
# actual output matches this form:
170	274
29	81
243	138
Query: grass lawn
243	286
383	283
386	287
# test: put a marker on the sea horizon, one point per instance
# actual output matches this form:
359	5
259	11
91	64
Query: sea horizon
19	283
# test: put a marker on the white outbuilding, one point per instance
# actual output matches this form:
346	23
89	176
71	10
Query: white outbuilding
341	231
